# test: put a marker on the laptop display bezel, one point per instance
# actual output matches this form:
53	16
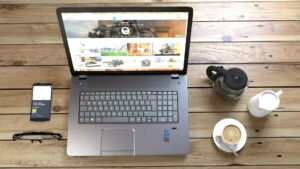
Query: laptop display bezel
59	12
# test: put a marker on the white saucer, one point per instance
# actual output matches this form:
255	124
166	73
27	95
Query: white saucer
218	132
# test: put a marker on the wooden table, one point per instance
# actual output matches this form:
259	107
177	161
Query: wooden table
261	37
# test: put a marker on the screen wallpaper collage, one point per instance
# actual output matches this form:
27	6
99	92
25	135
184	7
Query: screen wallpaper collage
117	44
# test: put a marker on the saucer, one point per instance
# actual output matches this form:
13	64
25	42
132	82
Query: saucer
218	132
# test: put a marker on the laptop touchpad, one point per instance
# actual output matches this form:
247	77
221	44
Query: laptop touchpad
117	142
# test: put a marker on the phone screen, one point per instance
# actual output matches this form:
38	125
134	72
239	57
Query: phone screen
41	102
41	93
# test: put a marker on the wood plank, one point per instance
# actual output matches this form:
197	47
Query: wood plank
122	1
239	52
53	54
29	34
190	167
200	100
257	151
59	76
216	11
278	124
258	52
201	32
245	31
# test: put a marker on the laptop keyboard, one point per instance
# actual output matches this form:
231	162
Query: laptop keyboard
128	107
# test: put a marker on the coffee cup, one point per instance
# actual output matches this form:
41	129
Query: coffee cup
264	103
230	137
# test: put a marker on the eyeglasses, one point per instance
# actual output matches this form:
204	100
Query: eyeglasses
37	136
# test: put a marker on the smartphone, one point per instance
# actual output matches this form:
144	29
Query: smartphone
41	102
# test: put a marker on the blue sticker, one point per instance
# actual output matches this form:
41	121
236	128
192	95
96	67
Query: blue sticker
166	133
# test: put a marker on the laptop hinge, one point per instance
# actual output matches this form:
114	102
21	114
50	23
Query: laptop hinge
82	77
174	76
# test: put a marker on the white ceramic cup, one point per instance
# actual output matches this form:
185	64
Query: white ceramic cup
222	140
264	103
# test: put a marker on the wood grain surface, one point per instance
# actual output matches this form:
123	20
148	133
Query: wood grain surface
262	37
257	151
215	11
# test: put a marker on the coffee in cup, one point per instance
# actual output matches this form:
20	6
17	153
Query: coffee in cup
231	134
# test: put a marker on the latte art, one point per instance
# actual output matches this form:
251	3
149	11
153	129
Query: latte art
232	134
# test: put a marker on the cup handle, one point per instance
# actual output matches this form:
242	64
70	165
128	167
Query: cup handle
279	93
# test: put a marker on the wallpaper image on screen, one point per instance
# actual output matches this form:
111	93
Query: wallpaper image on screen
126	45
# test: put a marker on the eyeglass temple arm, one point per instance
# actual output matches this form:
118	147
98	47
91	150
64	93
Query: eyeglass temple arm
19	135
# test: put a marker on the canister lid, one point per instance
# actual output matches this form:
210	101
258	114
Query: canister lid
235	79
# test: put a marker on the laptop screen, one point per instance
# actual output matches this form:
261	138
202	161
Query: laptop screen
126	41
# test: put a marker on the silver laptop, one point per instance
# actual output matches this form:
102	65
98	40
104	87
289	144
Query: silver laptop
129	82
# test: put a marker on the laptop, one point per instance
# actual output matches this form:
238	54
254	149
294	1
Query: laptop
129	84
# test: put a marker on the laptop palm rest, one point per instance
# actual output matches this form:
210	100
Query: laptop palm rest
117	142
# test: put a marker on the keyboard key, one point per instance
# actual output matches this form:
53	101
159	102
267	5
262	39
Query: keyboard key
115	119
152	97
81	120
92	119
119	113
131	119
98	114
175	106
175	118
93	114
150	113
98	119
141	113
162	119
165	113
81	114
82	103
83	108
138	119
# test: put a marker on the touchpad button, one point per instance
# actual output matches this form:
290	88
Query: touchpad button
117	142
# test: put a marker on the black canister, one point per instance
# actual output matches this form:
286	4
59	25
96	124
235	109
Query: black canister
229	84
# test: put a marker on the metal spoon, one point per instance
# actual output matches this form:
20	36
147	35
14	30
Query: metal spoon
219	140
